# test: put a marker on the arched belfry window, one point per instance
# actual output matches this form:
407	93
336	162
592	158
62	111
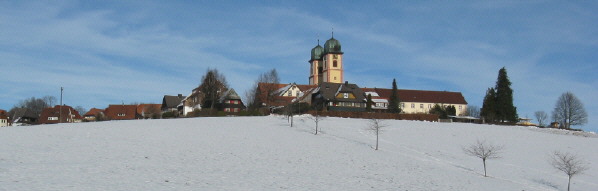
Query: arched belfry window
334	64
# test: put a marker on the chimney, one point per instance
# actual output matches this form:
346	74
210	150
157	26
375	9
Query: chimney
346	82
180	95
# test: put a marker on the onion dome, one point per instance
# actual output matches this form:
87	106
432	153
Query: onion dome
316	52
332	46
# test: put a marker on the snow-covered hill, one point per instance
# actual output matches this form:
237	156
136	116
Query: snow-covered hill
264	153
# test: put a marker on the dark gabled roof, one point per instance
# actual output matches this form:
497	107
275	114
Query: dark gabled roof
329	91
172	101
231	94
424	96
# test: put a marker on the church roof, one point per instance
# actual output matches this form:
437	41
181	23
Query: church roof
332	46
316	52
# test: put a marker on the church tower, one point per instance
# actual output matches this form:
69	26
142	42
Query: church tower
326	63
315	72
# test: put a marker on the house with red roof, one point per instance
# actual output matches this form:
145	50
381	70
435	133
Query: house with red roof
417	101
279	95
121	112
149	111
4	118
59	114
92	114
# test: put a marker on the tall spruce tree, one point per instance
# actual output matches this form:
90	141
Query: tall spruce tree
393	100
505	110
369	103
489	106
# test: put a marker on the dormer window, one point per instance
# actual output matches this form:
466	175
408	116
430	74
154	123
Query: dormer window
345	95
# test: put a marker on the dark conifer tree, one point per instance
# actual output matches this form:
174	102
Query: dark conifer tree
369	102
451	110
505	110
488	111
393	100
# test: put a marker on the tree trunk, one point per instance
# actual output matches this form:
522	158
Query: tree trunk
569	183
376	139
484	161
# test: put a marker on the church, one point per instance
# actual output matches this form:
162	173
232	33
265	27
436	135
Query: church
327	86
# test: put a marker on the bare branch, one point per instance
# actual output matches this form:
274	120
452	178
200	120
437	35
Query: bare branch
484	151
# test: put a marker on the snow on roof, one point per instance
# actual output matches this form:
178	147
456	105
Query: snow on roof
281	91
380	100
374	94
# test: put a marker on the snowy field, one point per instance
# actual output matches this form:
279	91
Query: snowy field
264	153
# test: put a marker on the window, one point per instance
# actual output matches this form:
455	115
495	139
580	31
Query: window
226	109
421	106
334	64
412	105
460	108
402	105
297	94
121	114
345	95
52	118
429	106
236	110
290	93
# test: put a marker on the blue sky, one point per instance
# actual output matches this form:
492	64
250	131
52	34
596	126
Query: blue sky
137	51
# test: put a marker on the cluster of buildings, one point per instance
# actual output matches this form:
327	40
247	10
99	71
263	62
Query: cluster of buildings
327	88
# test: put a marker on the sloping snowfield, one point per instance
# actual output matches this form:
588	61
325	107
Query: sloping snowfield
264	153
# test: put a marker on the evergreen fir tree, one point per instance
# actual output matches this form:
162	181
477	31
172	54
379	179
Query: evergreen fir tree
451	110
488	110
393	100
369	102
505	110
440	111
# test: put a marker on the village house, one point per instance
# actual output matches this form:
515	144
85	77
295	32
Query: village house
279	95
190	103
3	118
23	116
149	111
171	103
339	97
231	102
59	114
92	114
121	112
417	101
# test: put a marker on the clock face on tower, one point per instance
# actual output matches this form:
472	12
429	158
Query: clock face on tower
335	56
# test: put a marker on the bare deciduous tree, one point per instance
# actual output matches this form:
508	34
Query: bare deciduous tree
81	110
256	95
569	111
316	118
484	151
376	126
213	85
541	116
473	111
568	163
